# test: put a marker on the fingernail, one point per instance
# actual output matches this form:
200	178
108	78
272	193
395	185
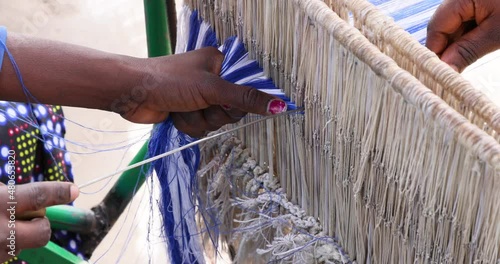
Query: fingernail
276	107
74	192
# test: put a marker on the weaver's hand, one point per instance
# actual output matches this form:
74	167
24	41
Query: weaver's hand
188	86
141	90
462	31
23	224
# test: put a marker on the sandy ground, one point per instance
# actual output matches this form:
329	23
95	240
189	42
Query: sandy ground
118	26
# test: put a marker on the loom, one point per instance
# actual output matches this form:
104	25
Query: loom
395	158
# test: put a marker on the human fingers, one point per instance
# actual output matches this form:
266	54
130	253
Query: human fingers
32	234
244	98
28	215
145	115
208	59
213	58
38	195
218	116
190	123
470	47
198	123
446	21
221	92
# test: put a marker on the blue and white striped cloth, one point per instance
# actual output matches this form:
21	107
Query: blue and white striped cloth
3	44
412	15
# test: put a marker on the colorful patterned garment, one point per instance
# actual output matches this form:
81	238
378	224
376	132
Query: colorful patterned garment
40	153
35	133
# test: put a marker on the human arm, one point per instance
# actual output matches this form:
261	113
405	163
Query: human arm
462	31
141	90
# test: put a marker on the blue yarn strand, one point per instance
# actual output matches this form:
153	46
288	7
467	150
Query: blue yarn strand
178	205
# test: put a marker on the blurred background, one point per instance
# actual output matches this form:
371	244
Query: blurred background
112	26
118	26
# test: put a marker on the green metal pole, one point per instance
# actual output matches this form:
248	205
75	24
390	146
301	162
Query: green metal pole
157	31
109	210
130	181
115	202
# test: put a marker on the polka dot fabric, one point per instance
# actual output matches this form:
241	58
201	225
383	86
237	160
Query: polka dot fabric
38	141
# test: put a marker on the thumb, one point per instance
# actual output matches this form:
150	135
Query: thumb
472	46
249	99
446	21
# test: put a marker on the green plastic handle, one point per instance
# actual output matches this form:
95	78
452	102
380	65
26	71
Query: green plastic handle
50	254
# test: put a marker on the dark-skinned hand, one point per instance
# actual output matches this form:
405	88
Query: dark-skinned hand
462	31
28	222
188	87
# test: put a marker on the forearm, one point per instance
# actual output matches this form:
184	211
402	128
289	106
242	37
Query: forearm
140	90
64	74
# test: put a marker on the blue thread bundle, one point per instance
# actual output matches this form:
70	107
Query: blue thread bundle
3	40
177	173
